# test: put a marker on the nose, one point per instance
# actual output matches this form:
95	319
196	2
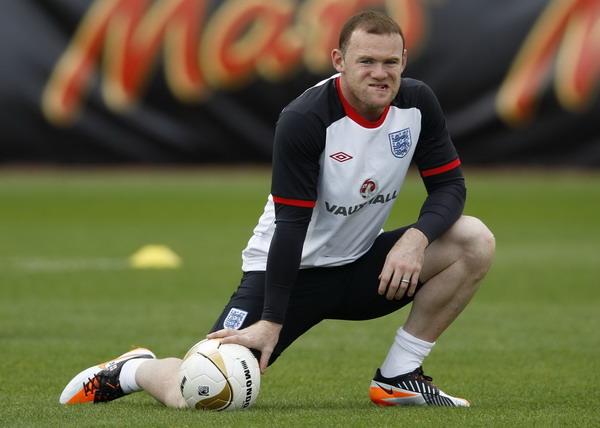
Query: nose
378	72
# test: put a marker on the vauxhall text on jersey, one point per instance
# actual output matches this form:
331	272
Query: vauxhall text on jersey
350	170
345	211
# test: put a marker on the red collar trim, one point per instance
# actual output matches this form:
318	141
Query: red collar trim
353	114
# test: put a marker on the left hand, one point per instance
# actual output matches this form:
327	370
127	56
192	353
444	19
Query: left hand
403	265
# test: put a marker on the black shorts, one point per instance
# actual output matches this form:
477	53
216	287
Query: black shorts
346	292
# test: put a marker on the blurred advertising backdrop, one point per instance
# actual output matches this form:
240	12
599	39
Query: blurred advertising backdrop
203	81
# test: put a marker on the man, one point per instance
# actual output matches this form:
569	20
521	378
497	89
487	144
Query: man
341	153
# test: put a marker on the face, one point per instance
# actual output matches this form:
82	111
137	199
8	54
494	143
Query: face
370	71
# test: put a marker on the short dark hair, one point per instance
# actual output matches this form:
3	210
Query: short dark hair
370	21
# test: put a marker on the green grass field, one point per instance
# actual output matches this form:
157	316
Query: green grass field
526	352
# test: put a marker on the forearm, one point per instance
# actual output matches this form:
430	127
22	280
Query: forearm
283	262
442	207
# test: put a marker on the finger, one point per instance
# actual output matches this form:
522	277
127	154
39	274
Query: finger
230	339
404	284
221	333
384	280
413	286
393	287
264	360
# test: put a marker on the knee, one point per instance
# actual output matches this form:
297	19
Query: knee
172	393
175	401
477	241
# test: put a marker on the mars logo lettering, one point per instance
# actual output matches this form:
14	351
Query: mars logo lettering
205	45
368	188
400	142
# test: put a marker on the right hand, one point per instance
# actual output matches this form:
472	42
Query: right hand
262	336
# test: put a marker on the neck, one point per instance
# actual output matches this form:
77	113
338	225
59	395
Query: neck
366	118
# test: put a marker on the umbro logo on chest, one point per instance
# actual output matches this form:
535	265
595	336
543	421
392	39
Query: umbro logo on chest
341	157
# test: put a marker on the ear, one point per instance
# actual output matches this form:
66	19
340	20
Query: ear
337	58
404	58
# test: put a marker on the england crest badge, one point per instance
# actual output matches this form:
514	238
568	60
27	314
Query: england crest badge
235	319
400	142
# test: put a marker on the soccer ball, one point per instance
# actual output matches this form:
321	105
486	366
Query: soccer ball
219	377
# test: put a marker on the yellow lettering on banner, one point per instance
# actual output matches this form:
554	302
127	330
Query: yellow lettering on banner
411	18
131	40
242	39
578	74
321	22
242	34
568	30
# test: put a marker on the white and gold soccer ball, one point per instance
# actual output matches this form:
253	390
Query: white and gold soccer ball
219	377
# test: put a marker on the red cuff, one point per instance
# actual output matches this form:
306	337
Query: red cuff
294	202
441	169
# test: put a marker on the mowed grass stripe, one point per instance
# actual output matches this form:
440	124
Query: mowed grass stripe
526	352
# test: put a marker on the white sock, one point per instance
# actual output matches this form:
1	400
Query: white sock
406	354
127	376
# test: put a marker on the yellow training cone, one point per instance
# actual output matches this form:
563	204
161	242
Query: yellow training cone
155	257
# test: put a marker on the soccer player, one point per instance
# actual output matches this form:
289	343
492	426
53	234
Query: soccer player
341	153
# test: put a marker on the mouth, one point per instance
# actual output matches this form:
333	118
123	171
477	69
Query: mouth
379	86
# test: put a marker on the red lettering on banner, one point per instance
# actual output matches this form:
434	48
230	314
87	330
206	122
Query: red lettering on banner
322	21
579	62
570	31
410	16
131	40
243	34
241	39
